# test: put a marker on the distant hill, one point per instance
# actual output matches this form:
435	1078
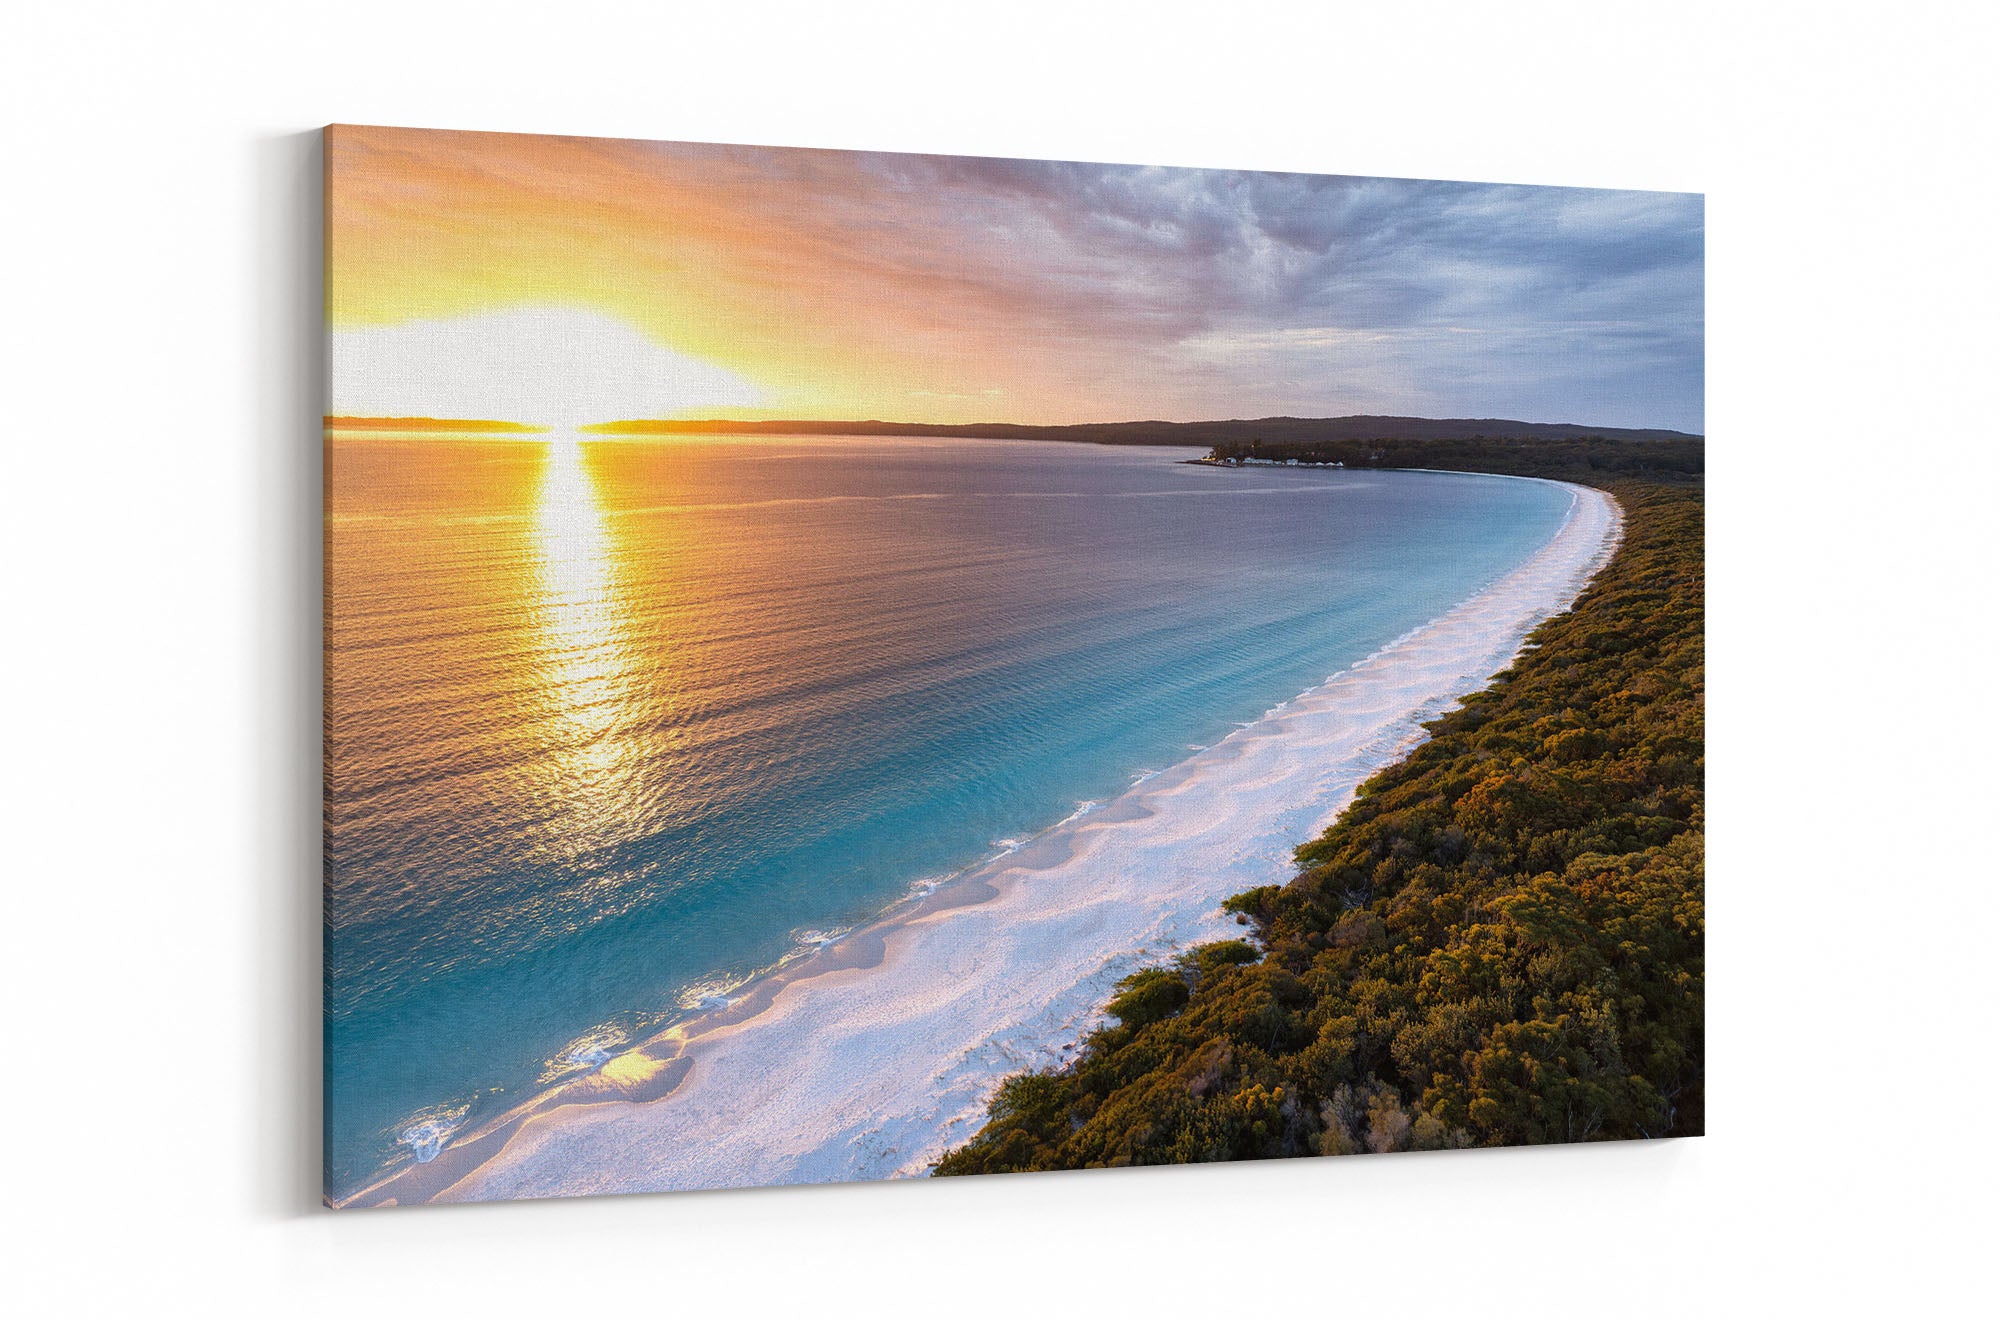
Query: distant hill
433	424
1184	434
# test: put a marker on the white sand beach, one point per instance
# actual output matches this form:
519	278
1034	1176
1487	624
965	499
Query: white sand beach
877	1053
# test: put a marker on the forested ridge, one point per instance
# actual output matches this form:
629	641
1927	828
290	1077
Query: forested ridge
1594	460
1289	432
1499	942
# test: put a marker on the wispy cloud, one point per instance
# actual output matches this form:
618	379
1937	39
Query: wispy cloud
853	283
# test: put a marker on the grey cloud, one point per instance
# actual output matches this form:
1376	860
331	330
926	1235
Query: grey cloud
1196	290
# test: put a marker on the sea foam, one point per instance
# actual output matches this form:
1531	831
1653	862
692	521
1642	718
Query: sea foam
878	1049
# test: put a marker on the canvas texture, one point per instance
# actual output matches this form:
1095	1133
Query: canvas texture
858	666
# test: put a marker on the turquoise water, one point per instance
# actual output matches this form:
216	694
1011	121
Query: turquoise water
613	727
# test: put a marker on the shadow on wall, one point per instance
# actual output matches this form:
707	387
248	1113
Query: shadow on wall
288	349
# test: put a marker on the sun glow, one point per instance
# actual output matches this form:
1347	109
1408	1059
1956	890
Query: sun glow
554	366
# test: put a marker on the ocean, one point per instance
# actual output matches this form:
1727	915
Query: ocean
616	729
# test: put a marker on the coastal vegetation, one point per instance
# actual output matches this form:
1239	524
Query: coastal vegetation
1499	942
1592	459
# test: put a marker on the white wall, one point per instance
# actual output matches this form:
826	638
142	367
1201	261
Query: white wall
161	539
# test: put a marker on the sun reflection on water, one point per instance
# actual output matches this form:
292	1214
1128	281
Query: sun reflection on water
582	657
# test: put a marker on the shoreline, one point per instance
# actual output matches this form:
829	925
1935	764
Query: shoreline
872	1056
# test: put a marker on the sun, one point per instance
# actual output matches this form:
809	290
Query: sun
561	367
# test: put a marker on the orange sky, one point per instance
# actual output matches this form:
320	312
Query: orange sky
778	282
770	275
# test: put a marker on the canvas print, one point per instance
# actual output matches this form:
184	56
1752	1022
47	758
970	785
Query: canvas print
854	666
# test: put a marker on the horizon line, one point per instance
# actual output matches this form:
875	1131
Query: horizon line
778	425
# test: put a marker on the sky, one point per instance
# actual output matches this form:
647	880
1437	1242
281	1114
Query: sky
569	280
